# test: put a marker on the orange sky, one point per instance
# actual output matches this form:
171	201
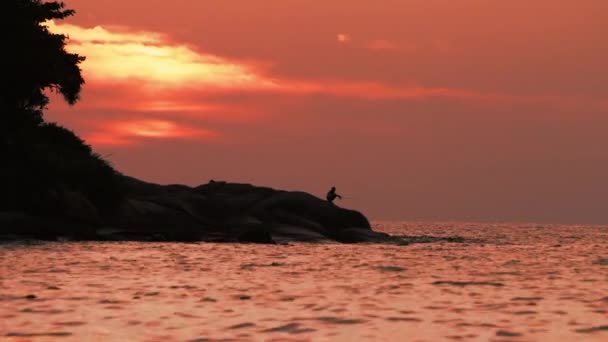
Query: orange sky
440	109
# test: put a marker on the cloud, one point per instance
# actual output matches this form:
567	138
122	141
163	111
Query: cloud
153	59
377	91
150	77
158	72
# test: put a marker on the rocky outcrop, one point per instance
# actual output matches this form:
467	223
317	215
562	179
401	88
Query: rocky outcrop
216	211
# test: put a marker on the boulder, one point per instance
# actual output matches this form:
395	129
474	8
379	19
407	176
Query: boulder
255	235
75	206
216	211
238	212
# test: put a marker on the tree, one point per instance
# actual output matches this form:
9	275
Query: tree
35	60
41	161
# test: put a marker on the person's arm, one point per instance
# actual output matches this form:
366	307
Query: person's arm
340	197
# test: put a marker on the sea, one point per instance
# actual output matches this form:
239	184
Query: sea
456	282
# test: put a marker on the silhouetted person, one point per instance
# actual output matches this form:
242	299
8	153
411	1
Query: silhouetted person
331	195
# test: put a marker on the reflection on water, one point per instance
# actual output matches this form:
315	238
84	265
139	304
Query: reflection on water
484	282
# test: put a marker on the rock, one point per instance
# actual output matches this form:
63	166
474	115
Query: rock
6	217
283	233
311	208
221	211
16	226
216	211
150	220
255	235
74	205
356	235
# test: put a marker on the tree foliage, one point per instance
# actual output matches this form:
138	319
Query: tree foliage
39	160
34	59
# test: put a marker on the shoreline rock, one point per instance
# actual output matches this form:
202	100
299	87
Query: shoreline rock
213	212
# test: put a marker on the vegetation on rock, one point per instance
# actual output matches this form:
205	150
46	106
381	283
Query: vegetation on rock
41	161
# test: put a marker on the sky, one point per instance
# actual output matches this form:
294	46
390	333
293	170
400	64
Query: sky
445	110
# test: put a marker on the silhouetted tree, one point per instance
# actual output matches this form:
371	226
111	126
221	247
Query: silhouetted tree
34	59
40	161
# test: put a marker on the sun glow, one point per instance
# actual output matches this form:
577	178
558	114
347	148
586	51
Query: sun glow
124	132
150	57
150	128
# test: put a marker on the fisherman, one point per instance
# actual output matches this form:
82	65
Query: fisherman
331	195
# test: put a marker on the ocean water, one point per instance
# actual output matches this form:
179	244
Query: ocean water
461	282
